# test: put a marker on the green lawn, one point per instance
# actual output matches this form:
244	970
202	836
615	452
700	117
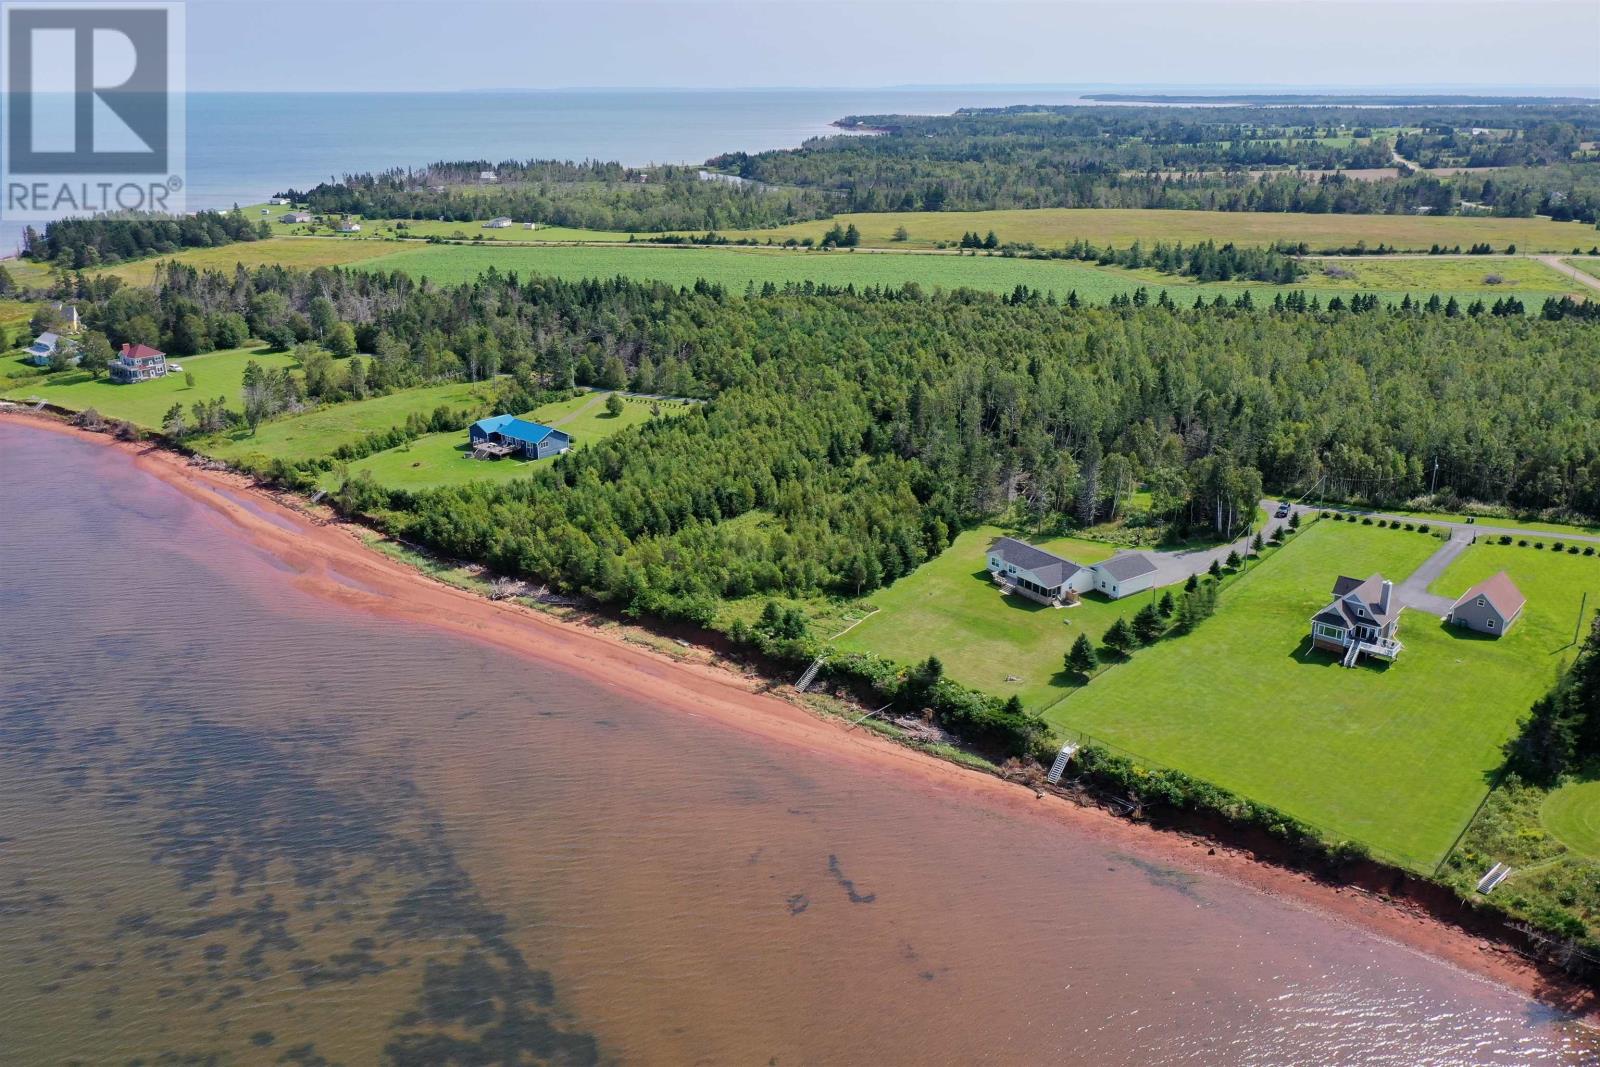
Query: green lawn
443	458
1572	815
1553	582
1588	264
320	431
1396	757
144	403
951	609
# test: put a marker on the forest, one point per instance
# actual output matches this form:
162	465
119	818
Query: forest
591	196
1210	159
83	243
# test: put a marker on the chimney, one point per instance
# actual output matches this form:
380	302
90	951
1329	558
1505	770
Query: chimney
1383	597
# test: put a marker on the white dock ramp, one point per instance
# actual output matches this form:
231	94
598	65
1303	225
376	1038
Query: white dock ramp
1497	874
1059	767
809	676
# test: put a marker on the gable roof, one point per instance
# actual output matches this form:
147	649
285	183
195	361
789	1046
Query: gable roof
1048	567
131	351
1127	565
1500	591
1349	592
517	429
48	339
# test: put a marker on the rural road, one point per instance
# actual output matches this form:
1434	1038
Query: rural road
1556	263
1470	528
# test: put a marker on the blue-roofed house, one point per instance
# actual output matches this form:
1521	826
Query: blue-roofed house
507	435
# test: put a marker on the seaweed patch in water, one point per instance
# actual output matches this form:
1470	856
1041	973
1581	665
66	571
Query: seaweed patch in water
798	903
1166	877
849	886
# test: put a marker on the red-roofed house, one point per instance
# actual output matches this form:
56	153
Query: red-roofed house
1490	607
138	363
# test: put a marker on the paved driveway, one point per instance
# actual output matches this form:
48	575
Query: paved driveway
1413	592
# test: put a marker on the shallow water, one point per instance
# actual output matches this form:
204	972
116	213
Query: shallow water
239	822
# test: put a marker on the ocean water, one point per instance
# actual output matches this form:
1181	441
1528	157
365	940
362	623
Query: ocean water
243	147
245	822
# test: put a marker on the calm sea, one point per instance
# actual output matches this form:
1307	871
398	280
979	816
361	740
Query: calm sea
243	147
243	824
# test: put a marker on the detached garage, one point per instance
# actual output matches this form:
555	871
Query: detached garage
1490	607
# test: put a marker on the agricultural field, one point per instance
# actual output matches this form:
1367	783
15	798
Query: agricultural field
437	459
950	608
1055	227
1394	756
305	253
735	268
144	403
1510	274
318	432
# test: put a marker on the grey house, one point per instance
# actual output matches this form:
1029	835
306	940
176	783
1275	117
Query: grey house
1490	607
1364	617
1020	568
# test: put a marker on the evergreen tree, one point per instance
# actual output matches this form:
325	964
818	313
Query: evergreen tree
1081	660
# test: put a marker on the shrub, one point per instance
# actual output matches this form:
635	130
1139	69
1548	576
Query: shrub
1366	520
1424	528
1538	544
1327	514
1522	542
1572	550
1411	526
1588	550
1505	539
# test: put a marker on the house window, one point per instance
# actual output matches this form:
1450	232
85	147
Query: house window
1480	602
1489	623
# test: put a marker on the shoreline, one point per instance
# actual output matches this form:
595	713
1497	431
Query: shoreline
332	561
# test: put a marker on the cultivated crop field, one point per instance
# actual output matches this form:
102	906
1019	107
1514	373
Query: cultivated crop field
144	403
1492	274
300	252
1055	227
1394	756
735	268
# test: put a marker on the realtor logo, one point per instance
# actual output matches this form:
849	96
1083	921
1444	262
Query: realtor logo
94	109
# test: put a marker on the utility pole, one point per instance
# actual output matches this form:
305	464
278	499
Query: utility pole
1577	627
1434	484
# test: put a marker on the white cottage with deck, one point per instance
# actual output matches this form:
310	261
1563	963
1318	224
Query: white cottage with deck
1032	572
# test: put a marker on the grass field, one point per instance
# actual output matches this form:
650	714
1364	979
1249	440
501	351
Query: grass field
1553	582
144	403
1396	756
1572	815
1054	227
737	267
1588	264
437	459
1426	275
950	608
320	431
289	252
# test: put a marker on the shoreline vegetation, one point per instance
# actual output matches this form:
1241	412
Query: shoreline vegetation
351	564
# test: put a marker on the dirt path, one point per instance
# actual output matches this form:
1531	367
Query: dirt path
594	401
1556	263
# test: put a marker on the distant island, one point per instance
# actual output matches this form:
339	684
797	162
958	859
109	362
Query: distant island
1334	99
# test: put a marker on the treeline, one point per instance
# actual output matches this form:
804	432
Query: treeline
1562	734
79	244
595	196
1205	261
1152	157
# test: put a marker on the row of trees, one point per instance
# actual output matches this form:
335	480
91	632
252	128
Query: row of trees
82	243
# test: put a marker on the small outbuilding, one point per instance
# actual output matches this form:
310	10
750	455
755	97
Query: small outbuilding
1490	607
348	226
499	223
295	218
1124	574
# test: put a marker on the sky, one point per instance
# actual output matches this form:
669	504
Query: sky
342	45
